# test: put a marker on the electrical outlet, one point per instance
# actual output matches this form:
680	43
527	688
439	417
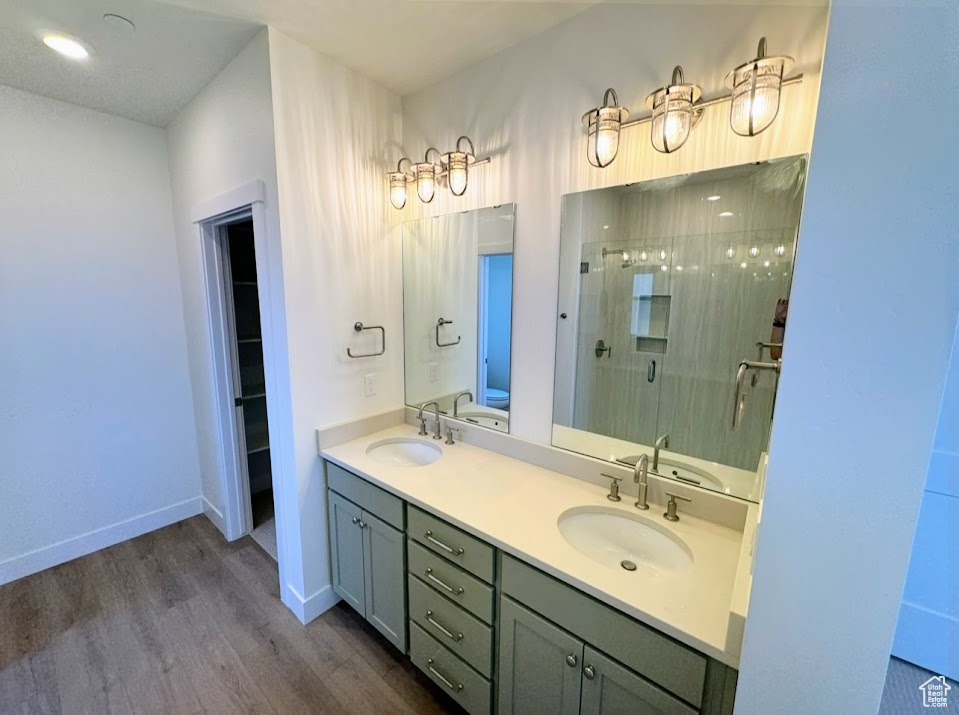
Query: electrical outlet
434	371
369	384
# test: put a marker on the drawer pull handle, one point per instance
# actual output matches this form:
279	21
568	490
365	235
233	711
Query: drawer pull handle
455	688
455	591
455	637
450	549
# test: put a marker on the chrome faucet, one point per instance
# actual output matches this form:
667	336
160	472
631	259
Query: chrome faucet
640	476
662	442
457	399
437	434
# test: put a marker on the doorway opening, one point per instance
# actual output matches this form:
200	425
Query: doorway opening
245	338
495	317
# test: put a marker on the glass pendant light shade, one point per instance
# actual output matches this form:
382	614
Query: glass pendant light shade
602	130
674	115
424	173
457	166
397	181
757	86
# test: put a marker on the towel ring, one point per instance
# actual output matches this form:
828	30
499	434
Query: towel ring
359	327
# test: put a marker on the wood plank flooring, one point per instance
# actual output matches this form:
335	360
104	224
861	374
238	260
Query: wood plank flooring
180	621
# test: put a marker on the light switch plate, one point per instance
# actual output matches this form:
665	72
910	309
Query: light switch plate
369	384
434	371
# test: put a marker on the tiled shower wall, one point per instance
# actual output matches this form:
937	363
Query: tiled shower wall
719	306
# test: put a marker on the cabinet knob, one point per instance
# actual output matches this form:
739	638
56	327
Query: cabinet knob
356	520
571	660
362	525
589	672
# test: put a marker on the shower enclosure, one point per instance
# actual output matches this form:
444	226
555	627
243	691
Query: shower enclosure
679	280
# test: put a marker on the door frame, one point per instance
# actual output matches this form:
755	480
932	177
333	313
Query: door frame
212	219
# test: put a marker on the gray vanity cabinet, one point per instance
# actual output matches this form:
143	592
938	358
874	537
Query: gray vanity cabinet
384	568
346	548
610	689
539	664
368	553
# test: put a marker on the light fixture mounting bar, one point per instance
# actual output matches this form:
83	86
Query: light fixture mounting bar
478	162
796	79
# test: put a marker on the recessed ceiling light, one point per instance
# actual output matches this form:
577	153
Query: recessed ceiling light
713	198
726	214
66	46
119	23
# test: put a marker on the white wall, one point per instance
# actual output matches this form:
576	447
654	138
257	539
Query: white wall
524	105
336	135
223	140
96	426
928	629
865	356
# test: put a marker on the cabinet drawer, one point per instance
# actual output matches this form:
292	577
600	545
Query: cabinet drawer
464	634
451	543
369	496
450	581
666	662
467	687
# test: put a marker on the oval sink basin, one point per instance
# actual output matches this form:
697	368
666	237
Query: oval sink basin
623	541
485	419
404	452
689	474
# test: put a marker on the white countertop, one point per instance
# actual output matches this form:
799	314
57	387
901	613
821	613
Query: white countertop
515	506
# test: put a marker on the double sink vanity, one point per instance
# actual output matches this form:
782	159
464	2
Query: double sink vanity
609	571
519	589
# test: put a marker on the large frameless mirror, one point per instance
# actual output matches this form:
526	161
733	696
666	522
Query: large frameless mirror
673	299
457	313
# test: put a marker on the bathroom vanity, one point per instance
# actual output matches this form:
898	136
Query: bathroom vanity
501	581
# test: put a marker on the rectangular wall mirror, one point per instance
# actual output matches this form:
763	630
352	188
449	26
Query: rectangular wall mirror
672	300
457	313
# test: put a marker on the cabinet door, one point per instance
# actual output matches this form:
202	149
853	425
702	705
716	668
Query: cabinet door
539	664
611	689
346	550
385	569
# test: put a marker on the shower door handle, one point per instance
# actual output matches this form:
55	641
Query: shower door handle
651	371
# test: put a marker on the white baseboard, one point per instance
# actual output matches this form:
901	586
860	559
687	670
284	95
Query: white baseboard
306	609
214	515
59	553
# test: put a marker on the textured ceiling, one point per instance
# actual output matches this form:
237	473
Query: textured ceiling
405	45
146	76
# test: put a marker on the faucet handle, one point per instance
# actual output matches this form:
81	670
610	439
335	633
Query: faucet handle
422	426
613	487
670	513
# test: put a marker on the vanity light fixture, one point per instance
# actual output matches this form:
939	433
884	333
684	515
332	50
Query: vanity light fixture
454	166
397	181
713	198
424	174
780	250
602	130
731	252
643	256
757	86
457	165
674	113
678	107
